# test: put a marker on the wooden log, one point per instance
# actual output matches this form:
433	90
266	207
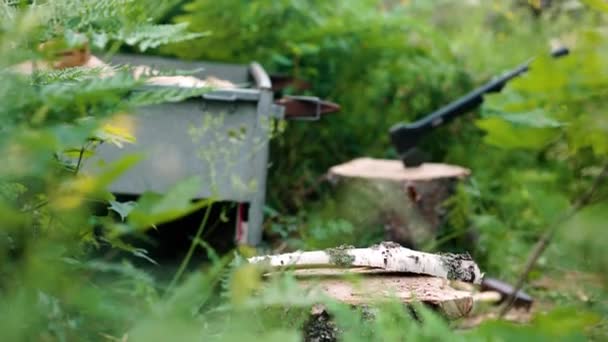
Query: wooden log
434	292
376	288
385	272
387	256
407	202
381	286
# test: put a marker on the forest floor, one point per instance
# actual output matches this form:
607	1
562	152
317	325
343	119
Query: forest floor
570	288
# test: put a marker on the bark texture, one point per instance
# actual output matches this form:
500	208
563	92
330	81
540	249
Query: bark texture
407	202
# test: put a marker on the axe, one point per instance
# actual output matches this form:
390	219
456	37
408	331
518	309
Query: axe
405	137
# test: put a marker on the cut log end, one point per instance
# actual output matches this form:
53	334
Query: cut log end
377	287
385	169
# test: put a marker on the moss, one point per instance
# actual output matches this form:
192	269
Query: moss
453	263
319	328
339	256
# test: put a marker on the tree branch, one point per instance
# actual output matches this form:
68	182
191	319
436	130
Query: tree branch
543	242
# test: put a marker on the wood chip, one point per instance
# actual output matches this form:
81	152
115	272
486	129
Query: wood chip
487	297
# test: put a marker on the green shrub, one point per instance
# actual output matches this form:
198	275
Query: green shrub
382	67
51	288
385	66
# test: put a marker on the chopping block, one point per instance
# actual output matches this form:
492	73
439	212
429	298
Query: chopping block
408	203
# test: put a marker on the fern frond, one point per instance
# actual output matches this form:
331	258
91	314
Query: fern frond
152	36
76	74
156	95
125	21
88	89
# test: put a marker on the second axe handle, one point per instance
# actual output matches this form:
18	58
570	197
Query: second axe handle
471	100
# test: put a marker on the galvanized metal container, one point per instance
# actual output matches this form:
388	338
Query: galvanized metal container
221	136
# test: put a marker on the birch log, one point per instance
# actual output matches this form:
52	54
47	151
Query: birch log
388	256
407	202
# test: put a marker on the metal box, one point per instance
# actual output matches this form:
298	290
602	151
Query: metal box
221	136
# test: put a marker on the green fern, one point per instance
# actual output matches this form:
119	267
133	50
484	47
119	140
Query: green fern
76	74
103	22
152	36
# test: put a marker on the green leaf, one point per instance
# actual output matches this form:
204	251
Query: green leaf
590	130
99	40
153	208
115	135
599	5
565	321
74	39
281	60
122	208
506	135
76	153
545	74
583	232
114	170
561	324
535	119
12	190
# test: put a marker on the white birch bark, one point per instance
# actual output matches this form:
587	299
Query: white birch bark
388	256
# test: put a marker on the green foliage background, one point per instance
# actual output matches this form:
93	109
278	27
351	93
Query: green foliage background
534	148
390	63
380	66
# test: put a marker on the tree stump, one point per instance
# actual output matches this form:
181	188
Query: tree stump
407	202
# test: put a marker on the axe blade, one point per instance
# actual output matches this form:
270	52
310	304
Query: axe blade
405	139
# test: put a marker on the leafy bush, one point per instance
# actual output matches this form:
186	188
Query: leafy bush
382	67
52	285
369	60
557	111
50	288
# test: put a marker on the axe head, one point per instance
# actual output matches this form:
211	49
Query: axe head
405	139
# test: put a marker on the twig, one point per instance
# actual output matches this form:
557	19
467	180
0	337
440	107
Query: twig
193	245
548	235
79	160
81	157
35	206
